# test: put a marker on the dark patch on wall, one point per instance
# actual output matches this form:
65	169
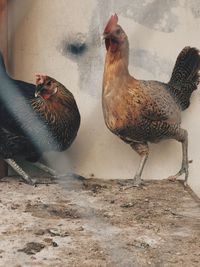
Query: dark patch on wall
75	45
75	48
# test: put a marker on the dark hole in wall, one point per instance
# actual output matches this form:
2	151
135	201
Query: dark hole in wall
76	48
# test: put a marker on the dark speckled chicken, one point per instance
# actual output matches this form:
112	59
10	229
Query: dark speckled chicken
146	111
35	119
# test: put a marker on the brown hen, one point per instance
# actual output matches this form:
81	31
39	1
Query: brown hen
139	111
35	119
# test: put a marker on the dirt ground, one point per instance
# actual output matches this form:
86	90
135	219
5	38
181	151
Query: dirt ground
96	222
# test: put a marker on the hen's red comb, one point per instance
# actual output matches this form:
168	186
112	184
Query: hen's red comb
112	22
40	78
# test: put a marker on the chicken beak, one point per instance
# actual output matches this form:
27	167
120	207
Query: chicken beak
38	90
36	94
104	37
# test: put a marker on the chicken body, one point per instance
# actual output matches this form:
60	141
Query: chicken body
35	119
139	111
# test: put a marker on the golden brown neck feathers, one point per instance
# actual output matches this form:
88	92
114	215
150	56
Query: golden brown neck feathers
117	62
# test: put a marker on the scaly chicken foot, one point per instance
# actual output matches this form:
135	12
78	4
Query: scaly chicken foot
50	171
184	169
137	180
45	168
20	171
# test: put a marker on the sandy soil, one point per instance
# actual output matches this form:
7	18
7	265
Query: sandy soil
97	222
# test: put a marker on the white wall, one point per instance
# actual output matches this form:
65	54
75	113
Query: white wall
157	30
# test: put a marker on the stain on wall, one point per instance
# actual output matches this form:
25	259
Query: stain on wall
75	46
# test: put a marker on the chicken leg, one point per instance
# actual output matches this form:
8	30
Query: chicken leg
143	150
183	138
51	171
45	168
26	176
20	171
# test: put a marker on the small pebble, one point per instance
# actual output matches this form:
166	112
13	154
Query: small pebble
40	232
54	244
80	228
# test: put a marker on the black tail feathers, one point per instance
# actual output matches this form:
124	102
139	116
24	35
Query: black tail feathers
185	76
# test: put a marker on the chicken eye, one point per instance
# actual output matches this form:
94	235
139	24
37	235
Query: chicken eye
49	83
118	31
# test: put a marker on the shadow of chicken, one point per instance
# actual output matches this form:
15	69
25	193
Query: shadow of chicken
139	111
35	119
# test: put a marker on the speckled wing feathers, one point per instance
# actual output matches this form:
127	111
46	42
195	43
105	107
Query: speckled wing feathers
153	113
160	105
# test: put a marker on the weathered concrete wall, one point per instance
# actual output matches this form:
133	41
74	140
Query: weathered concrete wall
41	32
